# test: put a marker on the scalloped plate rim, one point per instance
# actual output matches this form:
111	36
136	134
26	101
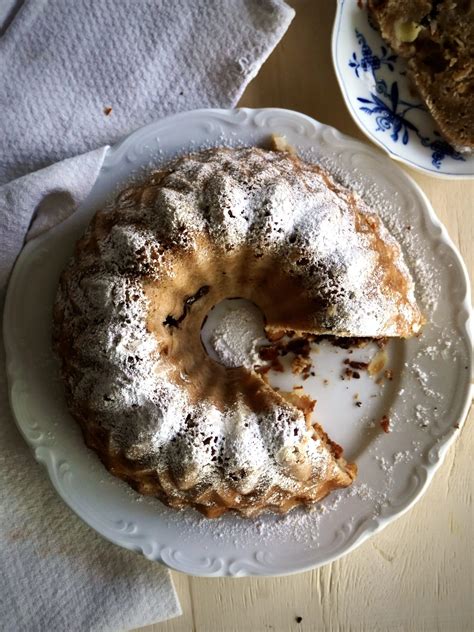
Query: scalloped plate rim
378	523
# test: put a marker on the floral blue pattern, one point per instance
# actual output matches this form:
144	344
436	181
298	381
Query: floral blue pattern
389	110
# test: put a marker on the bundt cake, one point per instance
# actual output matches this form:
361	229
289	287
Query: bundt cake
436	37
158	410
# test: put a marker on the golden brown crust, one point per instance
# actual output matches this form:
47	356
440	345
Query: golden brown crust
177	285
214	501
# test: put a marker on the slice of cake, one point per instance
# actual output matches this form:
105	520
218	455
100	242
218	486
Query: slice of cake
436	37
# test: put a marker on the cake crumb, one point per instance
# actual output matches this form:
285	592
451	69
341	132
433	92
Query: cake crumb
347	374
273	336
270	354
301	365
354	364
378	362
280	143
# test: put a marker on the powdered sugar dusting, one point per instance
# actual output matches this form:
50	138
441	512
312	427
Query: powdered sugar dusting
250	196
422	265
237	333
113	367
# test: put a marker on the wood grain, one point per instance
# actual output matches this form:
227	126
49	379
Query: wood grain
417	574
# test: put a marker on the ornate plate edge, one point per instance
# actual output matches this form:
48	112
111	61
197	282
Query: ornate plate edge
357	120
232	567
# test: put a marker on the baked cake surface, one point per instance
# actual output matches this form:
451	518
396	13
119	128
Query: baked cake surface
162	414
436	37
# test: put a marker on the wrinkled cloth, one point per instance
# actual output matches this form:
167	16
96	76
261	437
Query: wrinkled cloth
57	573
66	62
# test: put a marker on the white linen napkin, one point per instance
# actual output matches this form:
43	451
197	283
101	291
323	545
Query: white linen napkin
62	63
65	62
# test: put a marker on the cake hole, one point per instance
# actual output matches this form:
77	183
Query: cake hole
233	331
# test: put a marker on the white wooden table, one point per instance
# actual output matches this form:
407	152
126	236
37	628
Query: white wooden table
417	574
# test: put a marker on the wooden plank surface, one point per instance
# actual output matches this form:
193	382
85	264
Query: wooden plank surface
417	574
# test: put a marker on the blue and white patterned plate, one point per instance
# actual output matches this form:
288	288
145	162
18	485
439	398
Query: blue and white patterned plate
381	101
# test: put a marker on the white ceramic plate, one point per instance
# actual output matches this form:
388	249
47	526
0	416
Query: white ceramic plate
376	90
426	401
